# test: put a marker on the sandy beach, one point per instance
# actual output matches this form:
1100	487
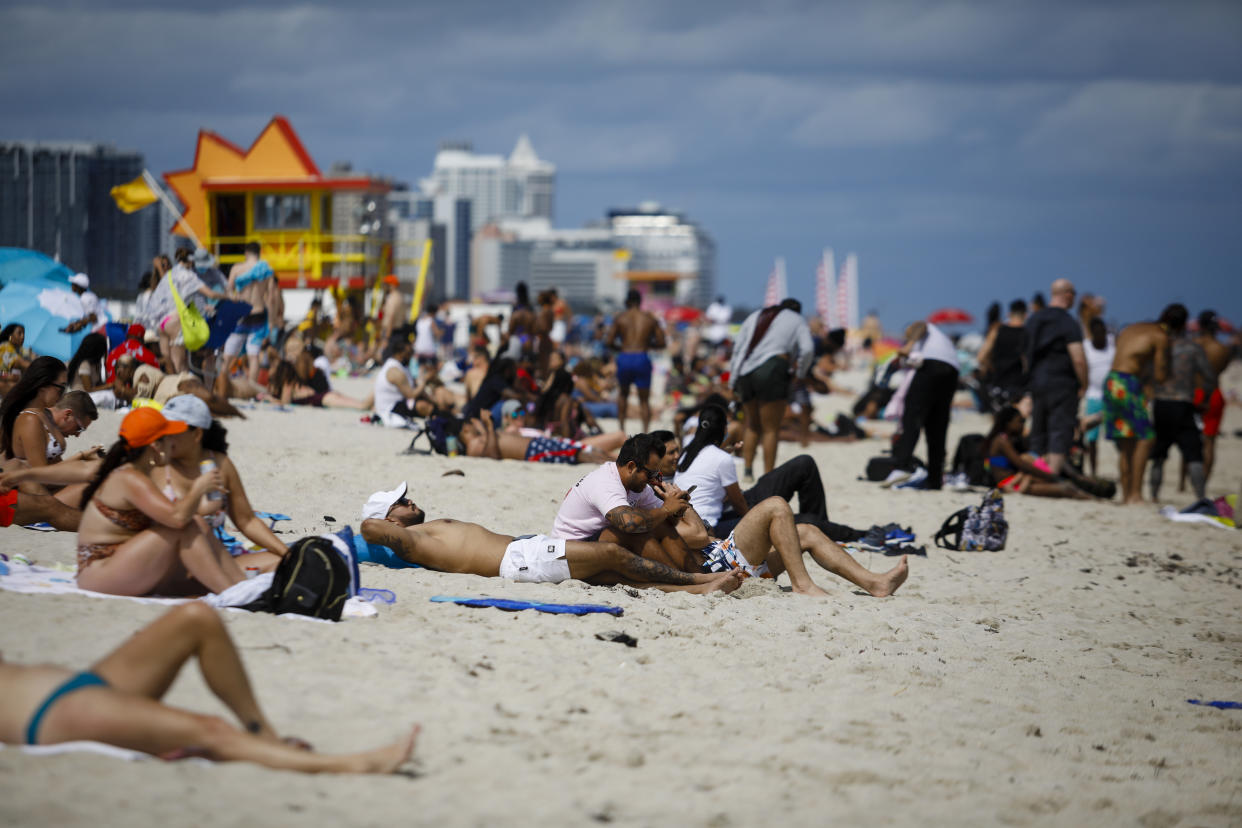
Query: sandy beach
1044	684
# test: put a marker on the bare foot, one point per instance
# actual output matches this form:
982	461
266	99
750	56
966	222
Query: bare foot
727	581
887	583
813	590
386	759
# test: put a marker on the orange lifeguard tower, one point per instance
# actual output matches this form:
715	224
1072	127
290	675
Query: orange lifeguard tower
274	194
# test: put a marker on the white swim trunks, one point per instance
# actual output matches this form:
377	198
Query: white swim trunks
535	559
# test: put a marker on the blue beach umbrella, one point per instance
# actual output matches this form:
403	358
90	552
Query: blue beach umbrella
17	264
43	308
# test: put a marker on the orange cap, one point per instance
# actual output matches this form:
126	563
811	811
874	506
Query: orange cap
390	279
143	426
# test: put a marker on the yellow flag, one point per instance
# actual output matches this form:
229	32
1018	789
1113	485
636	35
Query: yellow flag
133	195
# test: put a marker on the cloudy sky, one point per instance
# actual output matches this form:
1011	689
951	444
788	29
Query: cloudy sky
966	151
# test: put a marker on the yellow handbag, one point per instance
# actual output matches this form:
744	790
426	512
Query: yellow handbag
194	328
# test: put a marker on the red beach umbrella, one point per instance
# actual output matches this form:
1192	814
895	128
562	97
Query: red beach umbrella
950	316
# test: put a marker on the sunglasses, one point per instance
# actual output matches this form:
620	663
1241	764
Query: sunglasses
403	501
653	476
61	385
78	428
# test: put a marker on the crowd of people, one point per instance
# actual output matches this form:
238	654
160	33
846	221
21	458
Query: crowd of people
663	508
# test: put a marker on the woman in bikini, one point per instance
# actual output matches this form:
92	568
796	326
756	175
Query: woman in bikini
117	702
205	439
133	540
1014	471
40	387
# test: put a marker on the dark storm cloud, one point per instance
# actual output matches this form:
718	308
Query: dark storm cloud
934	136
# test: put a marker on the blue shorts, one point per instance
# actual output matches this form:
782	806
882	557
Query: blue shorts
634	369
250	334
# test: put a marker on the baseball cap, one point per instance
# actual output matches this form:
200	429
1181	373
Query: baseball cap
135	331
378	504
80	279
511	408
143	426
188	409
391	279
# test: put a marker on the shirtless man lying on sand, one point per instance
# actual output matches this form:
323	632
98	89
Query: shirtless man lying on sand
391	519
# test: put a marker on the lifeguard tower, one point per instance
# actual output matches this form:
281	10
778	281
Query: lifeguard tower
316	231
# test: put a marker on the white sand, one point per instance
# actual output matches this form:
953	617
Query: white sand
1043	684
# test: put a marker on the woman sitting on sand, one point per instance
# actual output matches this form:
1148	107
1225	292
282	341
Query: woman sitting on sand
205	440
132	539
117	702
709	472
1014	471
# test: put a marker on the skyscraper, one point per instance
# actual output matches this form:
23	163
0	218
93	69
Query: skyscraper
469	191
54	198
671	259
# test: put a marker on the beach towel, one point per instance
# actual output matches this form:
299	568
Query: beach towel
16	576
515	606
1219	705
1193	517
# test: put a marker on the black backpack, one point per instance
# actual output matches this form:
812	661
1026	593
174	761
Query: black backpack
969	459
311	579
879	468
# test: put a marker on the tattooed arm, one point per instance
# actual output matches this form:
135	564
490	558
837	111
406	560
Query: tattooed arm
633	521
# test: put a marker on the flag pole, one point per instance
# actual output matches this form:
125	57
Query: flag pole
167	202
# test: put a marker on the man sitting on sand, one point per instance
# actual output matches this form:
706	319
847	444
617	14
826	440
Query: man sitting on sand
392	520
628	502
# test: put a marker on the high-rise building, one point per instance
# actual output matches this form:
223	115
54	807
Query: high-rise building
671	259
467	191
520	186
54	198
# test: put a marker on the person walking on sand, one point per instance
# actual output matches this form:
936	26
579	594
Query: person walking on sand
117	701
634	330
773	348
1211	404
1141	347
1058	377
1173	413
929	402
391	519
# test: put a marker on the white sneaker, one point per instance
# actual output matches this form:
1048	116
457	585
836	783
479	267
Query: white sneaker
918	480
894	477
957	482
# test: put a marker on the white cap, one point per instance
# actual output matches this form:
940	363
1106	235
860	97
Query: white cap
189	409
80	279
378	504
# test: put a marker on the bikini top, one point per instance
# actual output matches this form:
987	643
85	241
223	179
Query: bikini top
133	520
54	450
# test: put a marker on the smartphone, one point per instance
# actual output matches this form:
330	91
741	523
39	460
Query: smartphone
690	490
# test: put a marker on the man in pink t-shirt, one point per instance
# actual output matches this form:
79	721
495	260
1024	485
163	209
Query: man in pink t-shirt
628	503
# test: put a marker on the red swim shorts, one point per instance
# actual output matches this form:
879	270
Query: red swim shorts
8	507
1215	410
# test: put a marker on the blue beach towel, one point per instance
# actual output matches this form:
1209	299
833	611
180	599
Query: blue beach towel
1220	705
514	606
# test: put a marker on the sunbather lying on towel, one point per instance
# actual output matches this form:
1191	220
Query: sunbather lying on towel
391	519
117	701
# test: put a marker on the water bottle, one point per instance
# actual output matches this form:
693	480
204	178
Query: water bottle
454	447
206	467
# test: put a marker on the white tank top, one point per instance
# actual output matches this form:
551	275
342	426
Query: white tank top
387	395
424	336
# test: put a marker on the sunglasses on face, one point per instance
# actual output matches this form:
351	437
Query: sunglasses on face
78	428
403	501
653	476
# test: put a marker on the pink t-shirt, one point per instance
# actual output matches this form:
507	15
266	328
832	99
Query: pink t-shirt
582	512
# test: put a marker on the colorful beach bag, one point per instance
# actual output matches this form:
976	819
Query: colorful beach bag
981	528
194	328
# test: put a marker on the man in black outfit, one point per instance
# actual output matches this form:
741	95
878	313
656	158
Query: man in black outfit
928	403
1058	376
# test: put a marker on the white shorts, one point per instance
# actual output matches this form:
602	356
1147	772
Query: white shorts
535	559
